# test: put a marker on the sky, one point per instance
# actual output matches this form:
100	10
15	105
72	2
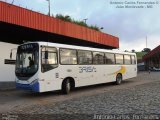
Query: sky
131	25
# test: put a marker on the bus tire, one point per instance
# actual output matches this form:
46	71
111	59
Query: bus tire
118	79
66	86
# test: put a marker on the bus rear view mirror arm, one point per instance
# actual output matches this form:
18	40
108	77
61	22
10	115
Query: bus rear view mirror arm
11	52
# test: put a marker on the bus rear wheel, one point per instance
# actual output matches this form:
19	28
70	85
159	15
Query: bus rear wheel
118	79
66	86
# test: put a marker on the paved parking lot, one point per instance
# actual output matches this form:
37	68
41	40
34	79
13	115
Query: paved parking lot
136	98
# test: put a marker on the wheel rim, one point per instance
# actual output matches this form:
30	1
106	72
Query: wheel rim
68	87
119	79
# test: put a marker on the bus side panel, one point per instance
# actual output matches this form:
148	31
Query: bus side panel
49	81
96	74
131	71
85	75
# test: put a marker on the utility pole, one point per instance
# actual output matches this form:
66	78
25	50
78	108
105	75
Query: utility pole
49	8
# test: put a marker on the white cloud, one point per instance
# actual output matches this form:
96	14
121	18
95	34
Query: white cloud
40	1
139	44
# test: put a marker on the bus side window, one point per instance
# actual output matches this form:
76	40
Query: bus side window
119	59
98	58
127	59
84	57
68	56
109	58
133	59
49	61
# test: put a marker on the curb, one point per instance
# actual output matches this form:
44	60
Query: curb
7	85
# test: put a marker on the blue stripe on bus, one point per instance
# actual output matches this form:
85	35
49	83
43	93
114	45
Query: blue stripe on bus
34	87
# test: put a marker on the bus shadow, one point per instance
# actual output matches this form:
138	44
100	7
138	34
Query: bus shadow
91	87
103	85
29	94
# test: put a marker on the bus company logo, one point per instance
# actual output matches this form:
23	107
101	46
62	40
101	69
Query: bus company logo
87	69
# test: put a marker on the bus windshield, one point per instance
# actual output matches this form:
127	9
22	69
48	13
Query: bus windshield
27	60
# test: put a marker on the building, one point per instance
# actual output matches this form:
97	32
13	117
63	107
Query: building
152	59
18	25
25	25
140	62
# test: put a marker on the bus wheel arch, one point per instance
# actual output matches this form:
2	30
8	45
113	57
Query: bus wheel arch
119	78
68	84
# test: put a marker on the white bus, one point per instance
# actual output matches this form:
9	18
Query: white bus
43	66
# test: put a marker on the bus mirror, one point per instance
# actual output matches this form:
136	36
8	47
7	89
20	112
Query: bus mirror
46	54
11	52
11	55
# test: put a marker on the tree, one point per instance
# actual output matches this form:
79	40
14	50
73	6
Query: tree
146	50
133	51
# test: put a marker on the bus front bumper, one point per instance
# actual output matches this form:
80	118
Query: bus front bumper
33	87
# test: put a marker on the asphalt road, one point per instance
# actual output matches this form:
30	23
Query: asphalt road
78	101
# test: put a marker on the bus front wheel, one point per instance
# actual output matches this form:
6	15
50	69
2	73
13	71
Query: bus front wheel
118	79
66	86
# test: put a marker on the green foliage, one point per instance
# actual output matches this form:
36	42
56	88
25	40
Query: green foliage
82	23
133	51
146	50
95	27
140	54
65	18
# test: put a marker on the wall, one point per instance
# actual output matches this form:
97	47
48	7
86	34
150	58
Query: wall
6	70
